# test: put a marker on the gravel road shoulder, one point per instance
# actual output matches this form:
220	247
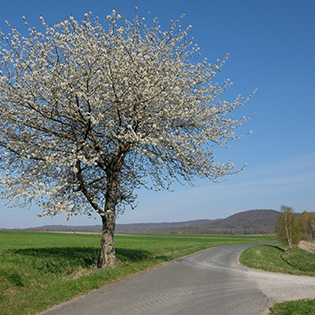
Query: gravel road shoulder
283	287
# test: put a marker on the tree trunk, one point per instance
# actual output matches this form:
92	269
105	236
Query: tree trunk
107	243
109	216
290	243
289	238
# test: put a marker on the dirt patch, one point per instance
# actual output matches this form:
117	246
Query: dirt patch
307	246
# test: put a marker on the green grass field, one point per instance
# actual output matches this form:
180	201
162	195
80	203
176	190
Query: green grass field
38	270
295	261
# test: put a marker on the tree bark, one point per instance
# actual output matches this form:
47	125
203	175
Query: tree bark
108	255
289	238
107	243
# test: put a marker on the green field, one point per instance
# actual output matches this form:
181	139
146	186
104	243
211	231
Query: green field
275	258
38	270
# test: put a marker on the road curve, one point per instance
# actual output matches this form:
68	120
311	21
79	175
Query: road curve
208	282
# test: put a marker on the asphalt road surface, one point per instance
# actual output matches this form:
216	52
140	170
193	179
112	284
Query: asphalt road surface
208	282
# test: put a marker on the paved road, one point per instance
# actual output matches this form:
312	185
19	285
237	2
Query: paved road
208	282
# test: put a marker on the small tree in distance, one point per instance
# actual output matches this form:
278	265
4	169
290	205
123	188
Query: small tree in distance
88	115
307	225
287	226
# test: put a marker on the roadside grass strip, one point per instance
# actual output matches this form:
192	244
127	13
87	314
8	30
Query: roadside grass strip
39	270
275	258
300	307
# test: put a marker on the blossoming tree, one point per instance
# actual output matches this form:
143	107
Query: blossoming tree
89	114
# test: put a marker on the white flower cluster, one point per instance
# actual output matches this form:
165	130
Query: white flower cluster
88	115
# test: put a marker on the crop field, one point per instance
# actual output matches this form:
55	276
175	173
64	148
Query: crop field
38	270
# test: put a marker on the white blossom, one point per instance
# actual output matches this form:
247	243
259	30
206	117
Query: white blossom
88	112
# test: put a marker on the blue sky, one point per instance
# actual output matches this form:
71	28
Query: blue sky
272	48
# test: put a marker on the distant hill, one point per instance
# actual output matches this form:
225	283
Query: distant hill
247	222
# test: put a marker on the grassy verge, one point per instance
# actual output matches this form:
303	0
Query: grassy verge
300	307
38	270
295	261
274	258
